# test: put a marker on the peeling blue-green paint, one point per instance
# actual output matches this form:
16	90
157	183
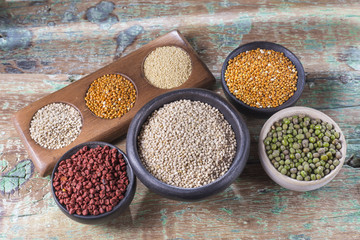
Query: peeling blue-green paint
261	221
352	56
14	38
126	38
228	211
163	217
310	195
312	44
101	14
332	60
342	228
210	8
74	78
307	225
3	164
4	107
299	237
26	64
70	16
55	85
51	24
227	4
12	70
265	13
179	213
280	206
233	33
14	178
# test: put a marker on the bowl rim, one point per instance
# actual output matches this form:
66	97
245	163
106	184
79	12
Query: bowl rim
128	196
270	46
286	181
179	193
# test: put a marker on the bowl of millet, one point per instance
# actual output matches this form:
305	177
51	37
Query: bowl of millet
188	144
301	149
93	183
262	78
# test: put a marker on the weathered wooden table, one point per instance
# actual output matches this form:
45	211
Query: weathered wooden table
46	45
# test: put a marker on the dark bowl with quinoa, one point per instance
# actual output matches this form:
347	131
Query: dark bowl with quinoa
262	78
188	144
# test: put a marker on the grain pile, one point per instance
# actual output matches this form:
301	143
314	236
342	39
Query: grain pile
261	78
111	96
187	144
55	125
167	67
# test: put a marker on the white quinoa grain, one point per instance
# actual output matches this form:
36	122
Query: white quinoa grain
187	144
55	125
167	67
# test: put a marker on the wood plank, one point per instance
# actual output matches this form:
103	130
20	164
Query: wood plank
46	45
93	127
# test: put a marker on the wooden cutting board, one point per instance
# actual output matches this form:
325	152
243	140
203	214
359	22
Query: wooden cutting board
98	129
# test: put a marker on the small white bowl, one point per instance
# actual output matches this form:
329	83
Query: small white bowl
283	180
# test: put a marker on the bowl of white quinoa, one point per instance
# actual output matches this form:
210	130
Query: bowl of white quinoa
188	144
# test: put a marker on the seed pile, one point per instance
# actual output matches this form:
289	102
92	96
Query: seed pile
110	96
167	67
261	78
187	144
91	182
55	125
303	148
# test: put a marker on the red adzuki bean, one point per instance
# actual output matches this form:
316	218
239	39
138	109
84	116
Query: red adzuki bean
92	181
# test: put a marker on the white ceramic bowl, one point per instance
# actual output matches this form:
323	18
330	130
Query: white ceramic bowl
283	180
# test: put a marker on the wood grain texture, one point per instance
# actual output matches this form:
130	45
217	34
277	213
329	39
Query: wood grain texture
46	45
98	129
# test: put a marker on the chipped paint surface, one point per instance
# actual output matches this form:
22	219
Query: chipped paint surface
14	38
299	237
353	57
47	45
126	38
101	14
14	178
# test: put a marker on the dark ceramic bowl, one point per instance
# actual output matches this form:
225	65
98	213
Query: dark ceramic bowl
118	209
189	194
269	46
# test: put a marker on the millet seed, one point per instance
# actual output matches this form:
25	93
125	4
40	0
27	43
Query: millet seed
167	67
261	78
110	96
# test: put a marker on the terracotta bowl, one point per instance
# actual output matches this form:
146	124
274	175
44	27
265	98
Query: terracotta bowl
283	180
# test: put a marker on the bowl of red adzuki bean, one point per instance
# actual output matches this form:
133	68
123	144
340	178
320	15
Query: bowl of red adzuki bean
93	182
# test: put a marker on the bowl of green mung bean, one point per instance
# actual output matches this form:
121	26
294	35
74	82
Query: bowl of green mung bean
301	149
188	144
